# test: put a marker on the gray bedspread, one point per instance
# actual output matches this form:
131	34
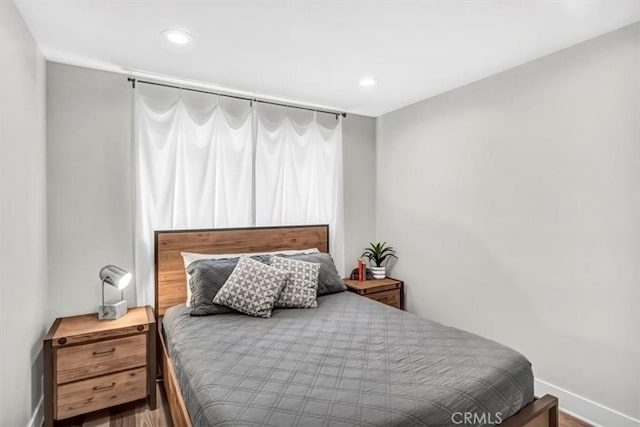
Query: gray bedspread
351	361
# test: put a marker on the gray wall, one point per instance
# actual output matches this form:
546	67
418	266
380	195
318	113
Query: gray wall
90	216
90	180
514	204
358	149
23	250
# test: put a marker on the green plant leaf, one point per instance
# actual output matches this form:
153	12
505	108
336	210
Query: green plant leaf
378	253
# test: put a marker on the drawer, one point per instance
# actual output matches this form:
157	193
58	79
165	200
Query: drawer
98	358
381	288
391	298
101	392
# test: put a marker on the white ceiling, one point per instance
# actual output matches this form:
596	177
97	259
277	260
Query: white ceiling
316	51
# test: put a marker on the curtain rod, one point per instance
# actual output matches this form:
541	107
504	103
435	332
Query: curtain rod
244	98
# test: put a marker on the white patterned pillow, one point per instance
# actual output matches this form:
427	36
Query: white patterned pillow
252	288
302	284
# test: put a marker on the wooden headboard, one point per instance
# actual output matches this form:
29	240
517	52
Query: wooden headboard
171	286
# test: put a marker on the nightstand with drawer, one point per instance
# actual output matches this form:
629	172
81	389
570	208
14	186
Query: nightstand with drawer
387	291
93	364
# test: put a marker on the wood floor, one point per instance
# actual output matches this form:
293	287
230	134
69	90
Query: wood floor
569	421
138	415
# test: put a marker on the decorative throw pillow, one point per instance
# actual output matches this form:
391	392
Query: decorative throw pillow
189	257
252	288
302	285
329	281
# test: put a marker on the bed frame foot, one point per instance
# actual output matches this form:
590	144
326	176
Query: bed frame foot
542	412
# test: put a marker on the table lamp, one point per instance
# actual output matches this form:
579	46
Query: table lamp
118	278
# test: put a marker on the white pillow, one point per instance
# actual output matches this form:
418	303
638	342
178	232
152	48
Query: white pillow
189	257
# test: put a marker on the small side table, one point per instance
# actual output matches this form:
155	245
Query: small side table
387	291
92	364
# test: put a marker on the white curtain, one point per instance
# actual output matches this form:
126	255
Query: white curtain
194	169
197	166
299	177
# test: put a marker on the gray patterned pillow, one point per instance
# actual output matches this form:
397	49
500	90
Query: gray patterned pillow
207	277
302	285
329	280
252	288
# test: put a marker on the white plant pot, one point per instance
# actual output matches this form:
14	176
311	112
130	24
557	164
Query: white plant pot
379	272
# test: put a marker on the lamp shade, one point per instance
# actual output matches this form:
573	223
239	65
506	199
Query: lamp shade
115	276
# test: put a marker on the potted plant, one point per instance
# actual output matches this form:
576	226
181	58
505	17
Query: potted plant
377	254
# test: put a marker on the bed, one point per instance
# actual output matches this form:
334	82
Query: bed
351	361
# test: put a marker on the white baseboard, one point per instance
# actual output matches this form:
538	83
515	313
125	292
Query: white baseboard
37	419
583	408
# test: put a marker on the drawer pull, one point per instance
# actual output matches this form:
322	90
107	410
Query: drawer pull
104	387
104	353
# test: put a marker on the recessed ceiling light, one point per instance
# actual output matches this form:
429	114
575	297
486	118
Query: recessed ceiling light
177	36
368	81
